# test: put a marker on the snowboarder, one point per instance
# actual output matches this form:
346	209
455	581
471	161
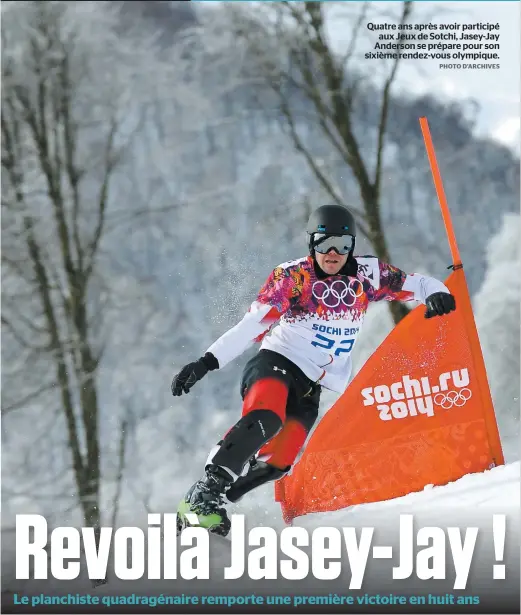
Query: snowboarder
319	302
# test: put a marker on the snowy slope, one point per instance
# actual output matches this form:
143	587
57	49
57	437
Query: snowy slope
496	490
468	502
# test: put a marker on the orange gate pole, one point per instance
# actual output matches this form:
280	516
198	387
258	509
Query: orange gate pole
470	324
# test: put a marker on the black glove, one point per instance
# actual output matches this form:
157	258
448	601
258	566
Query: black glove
439	304
193	372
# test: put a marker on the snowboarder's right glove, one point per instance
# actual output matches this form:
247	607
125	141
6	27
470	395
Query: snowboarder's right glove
193	372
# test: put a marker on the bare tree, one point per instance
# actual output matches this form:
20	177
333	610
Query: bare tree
71	107
321	97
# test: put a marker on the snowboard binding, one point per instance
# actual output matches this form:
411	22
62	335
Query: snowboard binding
203	505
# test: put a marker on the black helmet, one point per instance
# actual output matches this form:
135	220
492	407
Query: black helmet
331	220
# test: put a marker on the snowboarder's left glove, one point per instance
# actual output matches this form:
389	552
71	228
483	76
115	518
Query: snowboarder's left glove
439	304
192	373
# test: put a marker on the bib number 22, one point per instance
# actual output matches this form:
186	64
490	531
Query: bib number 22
328	343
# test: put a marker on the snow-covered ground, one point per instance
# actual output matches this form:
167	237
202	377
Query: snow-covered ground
496	490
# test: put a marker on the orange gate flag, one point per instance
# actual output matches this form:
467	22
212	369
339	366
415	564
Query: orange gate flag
418	413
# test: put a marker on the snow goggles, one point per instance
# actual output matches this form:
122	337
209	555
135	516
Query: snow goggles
342	244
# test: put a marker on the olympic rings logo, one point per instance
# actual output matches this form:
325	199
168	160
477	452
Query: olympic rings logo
452	398
336	293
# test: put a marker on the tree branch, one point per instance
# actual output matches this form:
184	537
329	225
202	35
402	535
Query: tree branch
27	399
384	112
120	470
110	162
324	181
61	364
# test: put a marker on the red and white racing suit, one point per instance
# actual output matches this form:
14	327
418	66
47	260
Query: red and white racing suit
319	319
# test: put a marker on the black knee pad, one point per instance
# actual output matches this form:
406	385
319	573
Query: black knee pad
245	438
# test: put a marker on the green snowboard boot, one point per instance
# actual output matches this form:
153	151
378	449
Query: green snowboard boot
205	499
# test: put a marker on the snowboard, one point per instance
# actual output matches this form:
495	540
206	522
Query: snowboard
191	520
